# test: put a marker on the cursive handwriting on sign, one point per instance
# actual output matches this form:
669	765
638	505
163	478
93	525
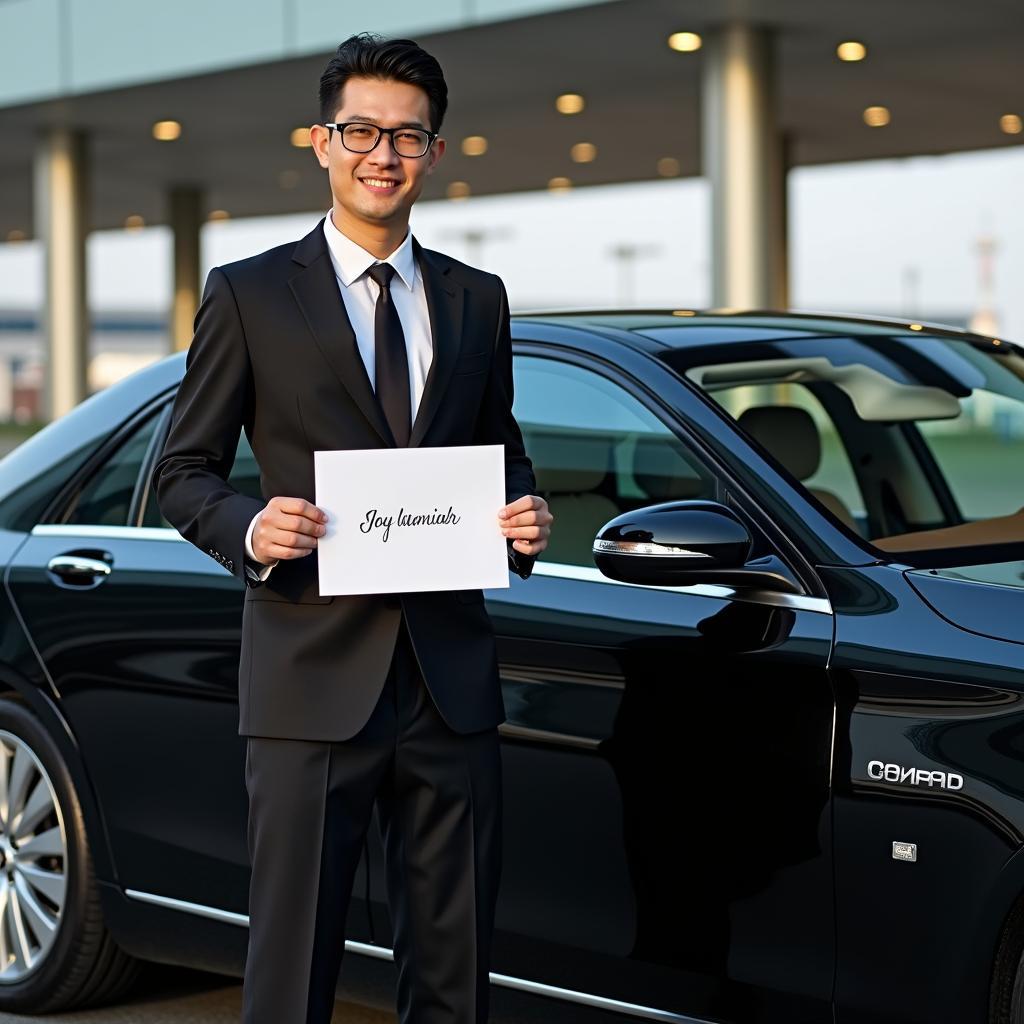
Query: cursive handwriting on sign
375	521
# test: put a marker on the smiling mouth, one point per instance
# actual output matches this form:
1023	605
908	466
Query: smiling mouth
380	184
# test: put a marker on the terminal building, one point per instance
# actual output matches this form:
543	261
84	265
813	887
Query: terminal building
115	116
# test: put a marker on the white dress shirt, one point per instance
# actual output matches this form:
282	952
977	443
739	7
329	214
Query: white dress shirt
359	293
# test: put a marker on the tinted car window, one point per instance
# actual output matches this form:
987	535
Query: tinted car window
106	497
833	473
244	477
32	474
596	451
932	425
977	450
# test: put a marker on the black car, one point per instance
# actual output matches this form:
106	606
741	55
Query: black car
768	765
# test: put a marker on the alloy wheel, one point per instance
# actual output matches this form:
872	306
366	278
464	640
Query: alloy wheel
33	860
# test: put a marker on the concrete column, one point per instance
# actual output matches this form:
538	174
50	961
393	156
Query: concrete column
61	201
744	158
185	205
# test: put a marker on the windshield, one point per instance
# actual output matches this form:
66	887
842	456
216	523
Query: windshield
912	440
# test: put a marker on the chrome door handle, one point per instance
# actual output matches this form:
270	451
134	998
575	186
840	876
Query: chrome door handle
78	568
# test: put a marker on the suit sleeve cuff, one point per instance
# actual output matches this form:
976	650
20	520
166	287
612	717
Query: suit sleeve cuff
520	564
256	570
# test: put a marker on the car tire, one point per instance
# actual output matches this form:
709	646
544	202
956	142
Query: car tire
55	950
1006	1002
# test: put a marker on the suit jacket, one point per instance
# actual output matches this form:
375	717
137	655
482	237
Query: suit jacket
274	353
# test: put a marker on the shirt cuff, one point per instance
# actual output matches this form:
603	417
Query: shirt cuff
264	569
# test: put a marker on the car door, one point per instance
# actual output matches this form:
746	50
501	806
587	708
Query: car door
667	750
139	632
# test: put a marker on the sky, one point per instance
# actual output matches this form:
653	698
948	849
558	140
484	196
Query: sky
892	237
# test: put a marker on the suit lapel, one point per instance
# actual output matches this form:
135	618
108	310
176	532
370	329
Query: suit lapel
445	298
316	291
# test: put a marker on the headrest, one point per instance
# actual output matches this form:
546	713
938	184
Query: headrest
789	433
568	463
660	468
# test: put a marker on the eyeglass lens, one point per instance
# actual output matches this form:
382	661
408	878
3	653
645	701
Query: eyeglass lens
361	138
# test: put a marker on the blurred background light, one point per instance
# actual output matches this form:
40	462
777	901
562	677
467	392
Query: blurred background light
166	131
569	103
877	117
685	42
851	51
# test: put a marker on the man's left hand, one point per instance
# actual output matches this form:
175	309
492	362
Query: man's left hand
528	521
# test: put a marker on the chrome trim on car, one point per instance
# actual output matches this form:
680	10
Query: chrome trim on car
106	532
224	916
636	547
591	574
584	573
536	988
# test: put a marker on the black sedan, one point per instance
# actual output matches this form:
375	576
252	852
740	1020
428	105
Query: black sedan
764	755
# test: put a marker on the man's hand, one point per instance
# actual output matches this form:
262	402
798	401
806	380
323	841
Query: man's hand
287	528
528	520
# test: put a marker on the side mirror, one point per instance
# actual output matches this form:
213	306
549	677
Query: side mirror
680	543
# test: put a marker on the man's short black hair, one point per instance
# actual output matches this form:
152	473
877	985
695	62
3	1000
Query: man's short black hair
370	55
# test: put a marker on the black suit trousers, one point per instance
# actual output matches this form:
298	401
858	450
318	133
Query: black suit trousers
438	794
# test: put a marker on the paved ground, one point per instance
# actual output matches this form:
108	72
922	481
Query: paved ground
166	995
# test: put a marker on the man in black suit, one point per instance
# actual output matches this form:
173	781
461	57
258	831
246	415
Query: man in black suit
357	337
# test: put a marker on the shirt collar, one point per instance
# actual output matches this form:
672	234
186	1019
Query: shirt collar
351	260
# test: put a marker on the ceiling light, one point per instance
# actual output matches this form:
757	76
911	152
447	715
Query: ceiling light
1011	124
569	103
851	51
474	145
218	215
916	327
668	167
133	222
559	184
583	152
683	312
301	139
685	42
458	190
166	131
877	117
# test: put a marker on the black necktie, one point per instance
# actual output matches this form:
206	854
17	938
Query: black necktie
390	358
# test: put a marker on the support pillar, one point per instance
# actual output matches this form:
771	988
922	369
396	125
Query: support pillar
185	204
744	159
61	201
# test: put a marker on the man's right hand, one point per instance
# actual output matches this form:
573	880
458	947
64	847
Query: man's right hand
287	528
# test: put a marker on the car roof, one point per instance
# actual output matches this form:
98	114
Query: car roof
656	330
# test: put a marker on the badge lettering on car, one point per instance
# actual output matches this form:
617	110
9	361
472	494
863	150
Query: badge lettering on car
881	772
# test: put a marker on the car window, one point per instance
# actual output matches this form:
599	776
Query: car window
975	450
105	498
244	477
830	477
596	451
932	425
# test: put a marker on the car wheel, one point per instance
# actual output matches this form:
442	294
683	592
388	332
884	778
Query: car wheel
55	951
1006	1004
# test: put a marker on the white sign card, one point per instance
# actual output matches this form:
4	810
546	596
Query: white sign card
405	519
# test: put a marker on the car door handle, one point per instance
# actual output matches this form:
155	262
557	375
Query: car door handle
79	569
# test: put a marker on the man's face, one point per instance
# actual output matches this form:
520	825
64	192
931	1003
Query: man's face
378	187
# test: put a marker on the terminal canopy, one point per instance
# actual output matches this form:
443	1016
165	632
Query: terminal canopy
947	72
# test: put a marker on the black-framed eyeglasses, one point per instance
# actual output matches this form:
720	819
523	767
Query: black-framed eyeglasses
359	137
